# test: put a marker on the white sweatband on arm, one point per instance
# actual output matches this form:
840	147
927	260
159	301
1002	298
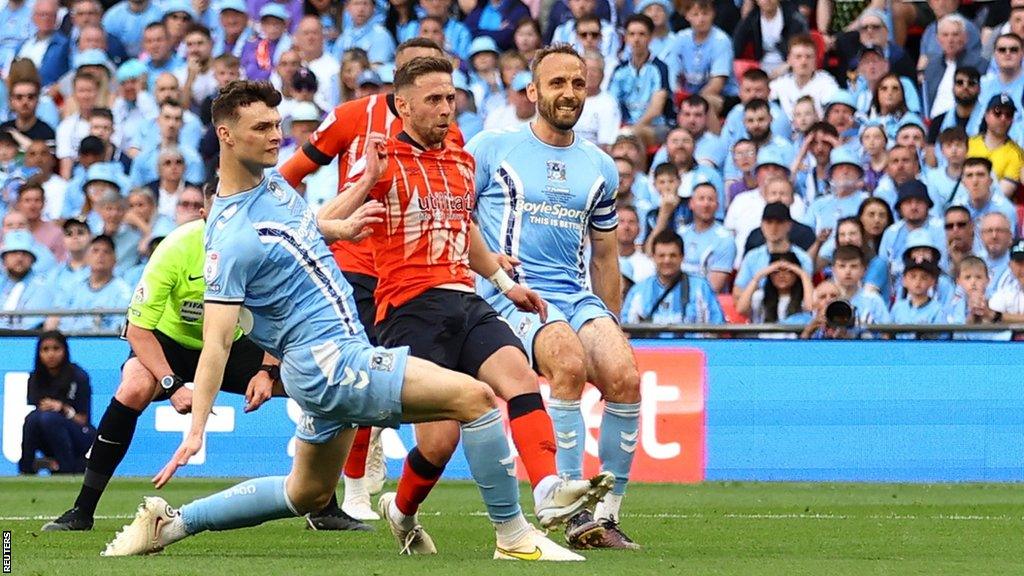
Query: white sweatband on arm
501	281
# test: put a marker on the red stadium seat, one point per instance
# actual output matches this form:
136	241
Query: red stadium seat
740	66
728	305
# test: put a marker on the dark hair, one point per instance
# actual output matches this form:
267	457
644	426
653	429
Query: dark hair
869	252
33	183
668	237
848	252
978	161
91	145
588	19
392	17
628	208
104	239
702	4
101	113
902	108
239	94
953	134
1011	36
770	302
755	75
643	19
420	66
158	24
197	28
41	377
969	71
666	168
888	213
696	100
757	104
210	187
823	128
557	48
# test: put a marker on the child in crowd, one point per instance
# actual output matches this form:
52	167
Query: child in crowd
672	212
972	281
805	115
919	307
848	271
875	143
744	155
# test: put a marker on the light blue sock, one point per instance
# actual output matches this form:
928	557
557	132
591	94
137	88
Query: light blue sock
247	504
618	441
492	465
570	436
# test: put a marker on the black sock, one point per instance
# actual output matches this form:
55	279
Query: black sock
113	437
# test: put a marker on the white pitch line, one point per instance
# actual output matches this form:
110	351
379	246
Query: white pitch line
670	516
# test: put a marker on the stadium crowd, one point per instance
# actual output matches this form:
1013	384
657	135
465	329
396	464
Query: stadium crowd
773	156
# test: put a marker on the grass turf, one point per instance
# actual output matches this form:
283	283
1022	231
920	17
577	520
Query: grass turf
707	529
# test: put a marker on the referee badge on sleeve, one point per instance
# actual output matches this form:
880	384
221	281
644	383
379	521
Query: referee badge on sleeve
212	267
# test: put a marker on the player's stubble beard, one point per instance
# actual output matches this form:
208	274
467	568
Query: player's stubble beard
561	120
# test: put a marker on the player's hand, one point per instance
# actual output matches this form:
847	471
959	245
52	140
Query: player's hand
356	227
527	300
376	156
181	400
189	447
507	263
260	389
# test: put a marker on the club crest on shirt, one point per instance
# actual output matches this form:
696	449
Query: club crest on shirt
524	327
212	267
275	190
382	362
556	170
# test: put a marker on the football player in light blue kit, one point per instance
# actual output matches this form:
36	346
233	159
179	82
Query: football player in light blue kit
265	251
541	193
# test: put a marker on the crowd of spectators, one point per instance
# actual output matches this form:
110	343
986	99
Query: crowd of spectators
773	155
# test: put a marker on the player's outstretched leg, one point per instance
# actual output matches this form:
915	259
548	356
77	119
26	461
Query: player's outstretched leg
113	437
308	487
556	499
357	493
613	370
431	392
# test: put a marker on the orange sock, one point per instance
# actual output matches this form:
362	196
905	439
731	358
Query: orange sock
533	435
418	479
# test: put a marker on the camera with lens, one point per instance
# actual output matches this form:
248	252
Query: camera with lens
839	314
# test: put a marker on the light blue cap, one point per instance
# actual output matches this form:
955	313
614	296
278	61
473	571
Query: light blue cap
93	57
521	80
368	77
843	155
274	10
483	44
770	156
910	119
104	172
236	5
920	238
700	178
459	81
305	112
131	69
841	97
639	8
172	6
19	241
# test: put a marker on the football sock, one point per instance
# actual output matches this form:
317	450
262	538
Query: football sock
355	465
113	437
418	478
533	436
492	465
250	503
609	507
511	531
618	441
570	436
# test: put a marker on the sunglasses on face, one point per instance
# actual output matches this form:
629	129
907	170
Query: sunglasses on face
966	82
589	34
177	162
190	205
1008	49
956	225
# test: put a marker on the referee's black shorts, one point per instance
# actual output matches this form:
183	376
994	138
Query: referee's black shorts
456	330
363	287
244	361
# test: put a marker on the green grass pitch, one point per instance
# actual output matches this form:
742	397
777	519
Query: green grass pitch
708	529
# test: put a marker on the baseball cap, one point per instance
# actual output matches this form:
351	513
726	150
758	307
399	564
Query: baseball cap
234	5
870	49
913	189
776	211
460	82
700	178
521	80
770	156
925	264
368	77
921	238
131	69
304	79
19	241
482	44
93	57
273	10
305	112
840	97
1017	250
1002	100
874	12
843	155
910	119
172	6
